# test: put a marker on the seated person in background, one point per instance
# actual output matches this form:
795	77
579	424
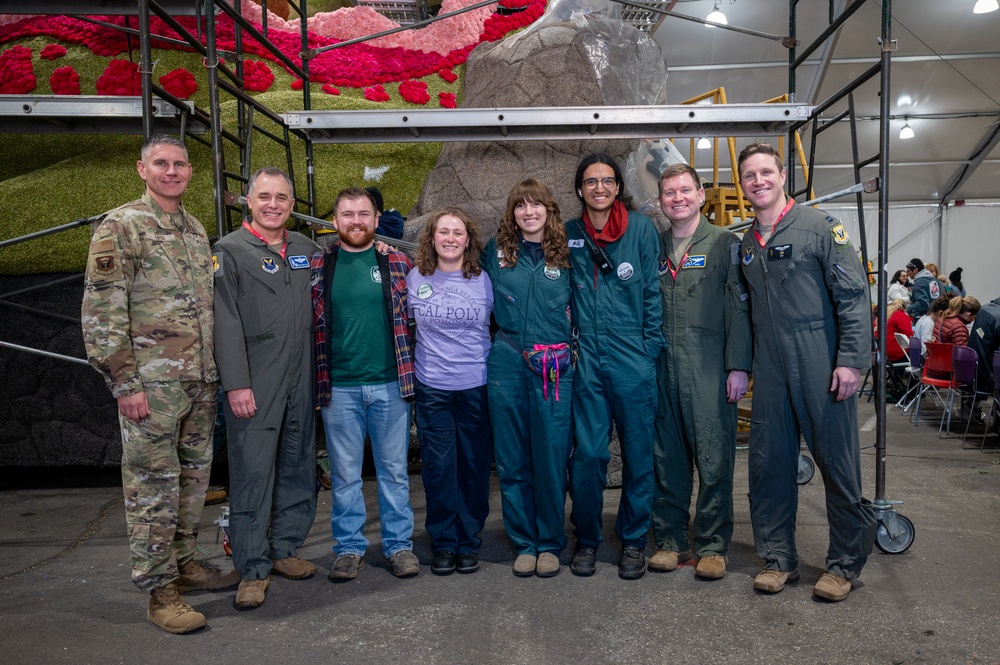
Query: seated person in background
925	288
951	327
898	289
896	322
955	278
985	340
390	222
924	327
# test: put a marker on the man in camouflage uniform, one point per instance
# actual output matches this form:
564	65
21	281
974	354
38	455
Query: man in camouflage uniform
147	327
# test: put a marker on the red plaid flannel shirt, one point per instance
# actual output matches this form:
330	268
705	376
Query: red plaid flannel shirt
396	265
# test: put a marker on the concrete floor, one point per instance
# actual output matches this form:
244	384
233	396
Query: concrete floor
65	594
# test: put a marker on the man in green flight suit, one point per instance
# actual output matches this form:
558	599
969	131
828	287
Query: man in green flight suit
703	374
264	329
812	336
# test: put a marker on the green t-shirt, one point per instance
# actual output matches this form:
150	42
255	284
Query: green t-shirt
361	350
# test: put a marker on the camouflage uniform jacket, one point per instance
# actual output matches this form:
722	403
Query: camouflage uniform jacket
147	302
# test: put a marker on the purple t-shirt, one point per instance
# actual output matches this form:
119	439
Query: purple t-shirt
453	320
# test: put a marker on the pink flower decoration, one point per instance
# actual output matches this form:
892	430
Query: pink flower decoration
53	51
447	100
257	76
121	78
180	83
414	92
376	94
448	75
17	75
65	81
330	90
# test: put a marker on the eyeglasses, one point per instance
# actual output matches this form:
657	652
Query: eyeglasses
591	183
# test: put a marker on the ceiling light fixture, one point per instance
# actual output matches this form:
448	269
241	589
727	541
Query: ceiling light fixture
984	6
716	15
906	132
704	144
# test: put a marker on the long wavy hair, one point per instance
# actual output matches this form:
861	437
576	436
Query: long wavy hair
427	258
554	242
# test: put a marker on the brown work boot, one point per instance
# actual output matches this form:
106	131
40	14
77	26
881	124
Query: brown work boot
201	575
711	567
548	565
293	567
251	593
404	564
665	561
773	581
169	612
832	587
216	495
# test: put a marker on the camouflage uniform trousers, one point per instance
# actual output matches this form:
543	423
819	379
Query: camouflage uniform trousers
166	462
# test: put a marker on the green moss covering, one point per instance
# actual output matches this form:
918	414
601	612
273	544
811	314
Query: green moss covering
50	179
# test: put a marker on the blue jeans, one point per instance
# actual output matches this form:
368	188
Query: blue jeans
380	412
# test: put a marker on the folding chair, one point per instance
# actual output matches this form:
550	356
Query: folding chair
964	360
938	373
915	359
995	402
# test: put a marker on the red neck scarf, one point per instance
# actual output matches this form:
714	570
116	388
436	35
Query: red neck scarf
613	230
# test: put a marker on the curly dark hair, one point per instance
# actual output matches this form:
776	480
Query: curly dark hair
427	258
554	242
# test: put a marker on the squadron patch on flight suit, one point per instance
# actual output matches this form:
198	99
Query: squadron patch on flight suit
664	267
216	263
734	253
268	264
107	262
748	255
839	235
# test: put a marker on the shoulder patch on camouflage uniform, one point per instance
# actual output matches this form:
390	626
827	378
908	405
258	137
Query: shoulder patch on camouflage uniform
106	263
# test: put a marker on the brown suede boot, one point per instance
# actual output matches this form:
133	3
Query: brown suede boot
200	575
169	612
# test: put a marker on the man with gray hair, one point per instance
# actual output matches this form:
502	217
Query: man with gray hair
147	327
263	324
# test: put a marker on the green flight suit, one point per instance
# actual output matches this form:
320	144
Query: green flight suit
532	433
811	313
619	316
264	334
706	323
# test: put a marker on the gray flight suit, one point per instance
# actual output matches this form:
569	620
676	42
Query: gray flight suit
263	333
811	313
706	322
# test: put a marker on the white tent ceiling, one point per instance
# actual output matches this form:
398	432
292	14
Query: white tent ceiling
946	62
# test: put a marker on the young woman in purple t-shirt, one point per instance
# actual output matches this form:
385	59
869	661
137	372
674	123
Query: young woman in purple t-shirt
450	299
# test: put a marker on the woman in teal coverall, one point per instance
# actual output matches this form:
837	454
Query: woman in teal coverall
614	259
528	262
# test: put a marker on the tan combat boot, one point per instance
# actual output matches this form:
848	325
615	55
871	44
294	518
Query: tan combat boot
201	575
169	612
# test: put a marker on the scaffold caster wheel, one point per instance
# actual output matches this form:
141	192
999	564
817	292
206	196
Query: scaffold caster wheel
807	469
895	534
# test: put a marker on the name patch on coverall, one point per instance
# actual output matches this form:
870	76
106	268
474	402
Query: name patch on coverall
779	252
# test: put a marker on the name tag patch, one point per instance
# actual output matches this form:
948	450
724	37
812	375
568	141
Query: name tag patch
779	252
298	262
576	242
694	262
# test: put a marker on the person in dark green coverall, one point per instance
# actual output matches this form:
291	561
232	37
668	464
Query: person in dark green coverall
263	324
811	315
703	374
617	310
528	262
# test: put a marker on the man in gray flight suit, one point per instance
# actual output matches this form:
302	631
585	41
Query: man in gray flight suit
812	336
263	332
702	376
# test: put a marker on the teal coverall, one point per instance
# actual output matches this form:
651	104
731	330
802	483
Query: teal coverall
706	323
810	306
532	434
619	316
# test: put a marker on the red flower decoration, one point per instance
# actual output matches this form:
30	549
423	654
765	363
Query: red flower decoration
180	83
376	94
297	84
65	81
447	100
448	75
414	92
257	76
121	78
17	76
53	51
330	90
